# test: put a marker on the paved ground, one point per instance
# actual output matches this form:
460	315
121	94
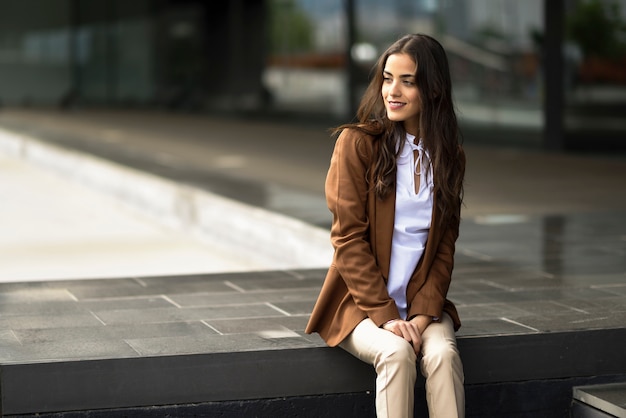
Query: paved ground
57	229
279	167
93	213
542	250
244	158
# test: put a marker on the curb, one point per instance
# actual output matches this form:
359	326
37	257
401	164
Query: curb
246	231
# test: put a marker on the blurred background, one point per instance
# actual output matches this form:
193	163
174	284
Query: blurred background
539	73
164	138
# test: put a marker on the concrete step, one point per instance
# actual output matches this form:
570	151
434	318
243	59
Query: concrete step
595	401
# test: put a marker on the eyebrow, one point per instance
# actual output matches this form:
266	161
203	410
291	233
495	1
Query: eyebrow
401	76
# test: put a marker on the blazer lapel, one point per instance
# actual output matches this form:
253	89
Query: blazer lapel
385	215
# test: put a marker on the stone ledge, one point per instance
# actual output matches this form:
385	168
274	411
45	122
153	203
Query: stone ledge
607	398
45	387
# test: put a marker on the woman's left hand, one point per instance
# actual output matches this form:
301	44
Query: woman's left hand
407	330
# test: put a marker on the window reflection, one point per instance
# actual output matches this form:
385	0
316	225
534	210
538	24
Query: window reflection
494	47
491	45
595	81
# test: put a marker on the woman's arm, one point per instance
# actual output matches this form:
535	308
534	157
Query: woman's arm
347	191
430	298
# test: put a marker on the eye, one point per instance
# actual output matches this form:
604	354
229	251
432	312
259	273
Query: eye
408	82
386	79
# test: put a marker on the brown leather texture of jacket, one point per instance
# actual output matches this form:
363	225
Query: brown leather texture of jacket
355	286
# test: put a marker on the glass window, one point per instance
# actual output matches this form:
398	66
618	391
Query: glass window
492	46
34	52
595	76
306	59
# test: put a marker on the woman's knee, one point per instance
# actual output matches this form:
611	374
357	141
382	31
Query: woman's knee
398	352
443	354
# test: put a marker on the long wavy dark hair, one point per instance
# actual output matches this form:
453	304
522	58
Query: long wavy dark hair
438	125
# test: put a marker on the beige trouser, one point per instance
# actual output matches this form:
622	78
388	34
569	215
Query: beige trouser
395	362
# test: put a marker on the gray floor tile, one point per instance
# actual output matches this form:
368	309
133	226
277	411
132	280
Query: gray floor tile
251	325
214	344
48	321
495	326
231	298
110	332
33	295
164	315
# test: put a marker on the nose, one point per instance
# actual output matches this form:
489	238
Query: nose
394	91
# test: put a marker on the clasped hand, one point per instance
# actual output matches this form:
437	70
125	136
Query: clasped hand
408	330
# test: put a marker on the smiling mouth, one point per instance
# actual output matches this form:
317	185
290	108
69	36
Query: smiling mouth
395	105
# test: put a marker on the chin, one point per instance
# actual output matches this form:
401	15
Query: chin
395	118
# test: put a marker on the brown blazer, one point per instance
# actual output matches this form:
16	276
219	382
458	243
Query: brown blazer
355	285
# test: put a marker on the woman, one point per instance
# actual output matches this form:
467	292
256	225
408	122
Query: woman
395	187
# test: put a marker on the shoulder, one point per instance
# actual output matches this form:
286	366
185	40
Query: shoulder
356	142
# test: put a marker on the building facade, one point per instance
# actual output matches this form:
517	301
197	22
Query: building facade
529	67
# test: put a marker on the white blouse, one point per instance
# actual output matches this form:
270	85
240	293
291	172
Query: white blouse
412	219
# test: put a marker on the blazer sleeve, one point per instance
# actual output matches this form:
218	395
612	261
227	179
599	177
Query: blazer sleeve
431	297
347	192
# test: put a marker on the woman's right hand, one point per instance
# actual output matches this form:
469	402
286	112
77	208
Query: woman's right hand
407	330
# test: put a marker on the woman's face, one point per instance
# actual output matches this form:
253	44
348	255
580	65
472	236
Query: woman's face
400	92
